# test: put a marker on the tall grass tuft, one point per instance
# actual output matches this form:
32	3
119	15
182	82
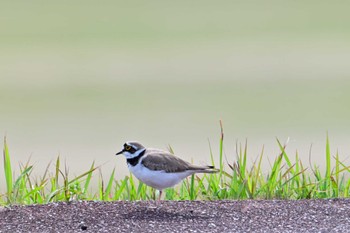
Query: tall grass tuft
288	178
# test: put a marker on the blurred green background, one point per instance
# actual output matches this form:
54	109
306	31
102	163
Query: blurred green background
78	78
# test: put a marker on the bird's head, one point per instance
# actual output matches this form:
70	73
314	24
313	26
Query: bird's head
131	149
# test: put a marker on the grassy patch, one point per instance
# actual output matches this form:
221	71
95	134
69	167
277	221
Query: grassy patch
288	178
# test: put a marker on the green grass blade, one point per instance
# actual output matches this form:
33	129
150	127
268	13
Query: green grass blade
328	181
109	186
192	192
7	169
57	173
328	159
22	176
88	178
283	151
221	147
120	189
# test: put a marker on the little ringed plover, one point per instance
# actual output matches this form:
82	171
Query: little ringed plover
158	168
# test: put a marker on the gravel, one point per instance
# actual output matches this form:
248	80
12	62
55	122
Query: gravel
323	215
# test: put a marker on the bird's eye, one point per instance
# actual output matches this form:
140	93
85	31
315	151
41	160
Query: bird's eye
127	147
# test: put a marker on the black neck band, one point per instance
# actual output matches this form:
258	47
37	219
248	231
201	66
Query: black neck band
135	160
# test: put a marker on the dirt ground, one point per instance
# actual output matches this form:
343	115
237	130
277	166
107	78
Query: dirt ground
326	215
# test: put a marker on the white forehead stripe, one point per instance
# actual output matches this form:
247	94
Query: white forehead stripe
135	145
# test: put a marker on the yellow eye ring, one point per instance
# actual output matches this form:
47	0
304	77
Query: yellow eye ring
127	147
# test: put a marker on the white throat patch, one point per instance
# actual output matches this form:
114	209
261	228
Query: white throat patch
128	155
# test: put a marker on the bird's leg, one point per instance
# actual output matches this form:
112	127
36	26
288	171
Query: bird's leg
160	195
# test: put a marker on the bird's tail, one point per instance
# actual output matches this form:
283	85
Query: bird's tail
206	169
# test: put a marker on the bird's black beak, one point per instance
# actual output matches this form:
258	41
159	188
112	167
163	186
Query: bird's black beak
120	152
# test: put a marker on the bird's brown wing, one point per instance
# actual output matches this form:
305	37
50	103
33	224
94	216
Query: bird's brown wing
164	161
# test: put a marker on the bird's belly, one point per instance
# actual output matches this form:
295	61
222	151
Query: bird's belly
157	179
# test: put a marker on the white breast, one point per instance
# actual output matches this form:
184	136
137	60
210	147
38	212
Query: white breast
157	179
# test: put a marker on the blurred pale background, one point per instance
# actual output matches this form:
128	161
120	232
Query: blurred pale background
79	78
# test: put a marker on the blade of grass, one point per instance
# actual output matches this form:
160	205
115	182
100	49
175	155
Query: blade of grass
7	169
109	186
88	178
328	181
192	192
